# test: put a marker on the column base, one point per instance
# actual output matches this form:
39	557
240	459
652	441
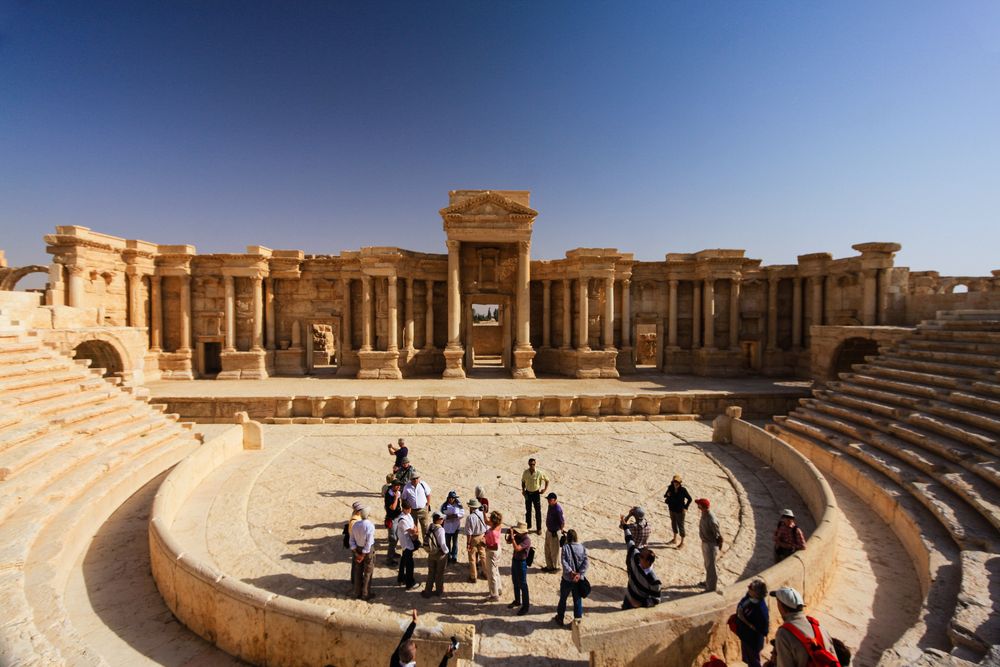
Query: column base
290	362
625	363
522	369
453	356
248	365
176	365
379	365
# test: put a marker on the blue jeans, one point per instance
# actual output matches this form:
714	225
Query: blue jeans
519	576
565	588
451	541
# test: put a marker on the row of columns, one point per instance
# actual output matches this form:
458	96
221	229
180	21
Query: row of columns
583	312
367	321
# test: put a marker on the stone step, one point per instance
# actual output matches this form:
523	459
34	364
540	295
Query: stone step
23	431
37	365
883	384
987	337
934	367
17	346
969	314
969	347
92	405
961	325
968	435
986	388
21	357
977	360
978	402
66	391
21	383
976	622
15	459
928	379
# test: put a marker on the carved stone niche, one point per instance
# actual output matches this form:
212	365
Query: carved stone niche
489	266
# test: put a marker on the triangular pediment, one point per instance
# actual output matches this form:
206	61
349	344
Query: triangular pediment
488	204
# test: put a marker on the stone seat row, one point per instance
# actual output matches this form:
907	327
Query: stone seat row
73	447
919	424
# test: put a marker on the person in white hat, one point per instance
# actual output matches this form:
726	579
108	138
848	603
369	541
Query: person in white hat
788	537
789	645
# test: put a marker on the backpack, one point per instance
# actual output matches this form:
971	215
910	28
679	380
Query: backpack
531	556
819	655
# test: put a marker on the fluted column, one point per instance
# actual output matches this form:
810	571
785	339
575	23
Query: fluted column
709	313
408	326
429	317
695	315
672	314
546	312
346	337
772	313
796	313
567	313
626	313
184	321
523	294
393	345
269	341
230	310
366	313
454	298
156	314
257	284
583	333
609	313
734	314
75	290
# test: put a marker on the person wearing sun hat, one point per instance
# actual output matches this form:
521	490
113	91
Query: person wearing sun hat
475	542
788	537
518	538
678	500
453	512
711	542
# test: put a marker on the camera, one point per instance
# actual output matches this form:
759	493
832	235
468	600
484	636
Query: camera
454	643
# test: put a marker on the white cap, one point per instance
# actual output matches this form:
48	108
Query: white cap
789	597
788	512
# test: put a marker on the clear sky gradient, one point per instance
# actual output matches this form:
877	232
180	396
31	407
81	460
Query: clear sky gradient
780	127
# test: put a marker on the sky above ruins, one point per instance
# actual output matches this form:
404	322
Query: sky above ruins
781	127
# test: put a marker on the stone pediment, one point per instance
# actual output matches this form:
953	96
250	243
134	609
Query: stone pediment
488	205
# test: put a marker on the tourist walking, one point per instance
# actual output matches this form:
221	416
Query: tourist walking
518	538
362	543
491	540
437	556
788	537
643	584
678	500
639	528
405	654
573	557
475	544
392	500
555	521
798	632
753	622
400	451
711	542
453	512
418	493
534	483
406	535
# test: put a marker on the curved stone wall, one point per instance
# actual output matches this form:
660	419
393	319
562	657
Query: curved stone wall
687	630
256	625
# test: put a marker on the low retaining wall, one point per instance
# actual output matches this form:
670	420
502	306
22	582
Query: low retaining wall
414	409
685	631
260	627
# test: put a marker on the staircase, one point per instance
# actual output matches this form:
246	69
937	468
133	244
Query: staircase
921	421
73	448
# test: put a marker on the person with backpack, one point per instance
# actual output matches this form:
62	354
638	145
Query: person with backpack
574	577
800	641
437	556
752	620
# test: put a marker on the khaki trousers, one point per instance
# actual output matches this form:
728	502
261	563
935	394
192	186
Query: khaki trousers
477	552
552	550
493	572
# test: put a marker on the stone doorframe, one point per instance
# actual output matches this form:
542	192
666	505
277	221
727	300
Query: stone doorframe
657	320
307	330
505	302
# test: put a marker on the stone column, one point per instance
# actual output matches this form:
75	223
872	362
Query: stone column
75	290
366	313
134	295
609	313
408	329
583	322
454	298
796	313
626	313
772	313
816	298
567	323
546	313
393	344
185	314
269	342
429	317
883	297
257	287
523	294
230	313
709	313
346	337
734	314
156	314
868	305
695	315
672	315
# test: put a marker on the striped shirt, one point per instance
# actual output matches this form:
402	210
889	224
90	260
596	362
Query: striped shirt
643	586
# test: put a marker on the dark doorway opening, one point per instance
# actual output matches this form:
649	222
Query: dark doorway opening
102	355
852	351
213	358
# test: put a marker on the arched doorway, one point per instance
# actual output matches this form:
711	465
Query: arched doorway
101	355
852	351
12	276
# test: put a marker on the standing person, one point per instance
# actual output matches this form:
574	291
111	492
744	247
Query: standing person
404	473
392	500
406	651
752	622
643	584
640	528
483	500
362	544
491	540
400	451
678	500
518	538
406	533
437	557
711	542
574	570
475	544
797	631
356	507
534	483
418	493
788	537
555	521
453	512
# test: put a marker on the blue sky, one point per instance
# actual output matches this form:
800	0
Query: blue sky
780	127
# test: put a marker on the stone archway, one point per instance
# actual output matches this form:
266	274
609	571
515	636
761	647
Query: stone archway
11	277
102	355
850	352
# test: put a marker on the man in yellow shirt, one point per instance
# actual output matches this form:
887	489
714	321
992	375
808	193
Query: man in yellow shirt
534	483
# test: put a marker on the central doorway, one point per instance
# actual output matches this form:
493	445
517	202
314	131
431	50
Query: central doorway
488	336
322	347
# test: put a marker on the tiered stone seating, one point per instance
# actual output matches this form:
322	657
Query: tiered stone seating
921	421
73	447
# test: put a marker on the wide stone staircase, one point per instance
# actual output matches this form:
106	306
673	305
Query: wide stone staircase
919	426
73	448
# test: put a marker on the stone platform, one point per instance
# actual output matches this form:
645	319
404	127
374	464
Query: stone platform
333	400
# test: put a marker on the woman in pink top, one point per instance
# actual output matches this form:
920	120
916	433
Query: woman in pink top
492	539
